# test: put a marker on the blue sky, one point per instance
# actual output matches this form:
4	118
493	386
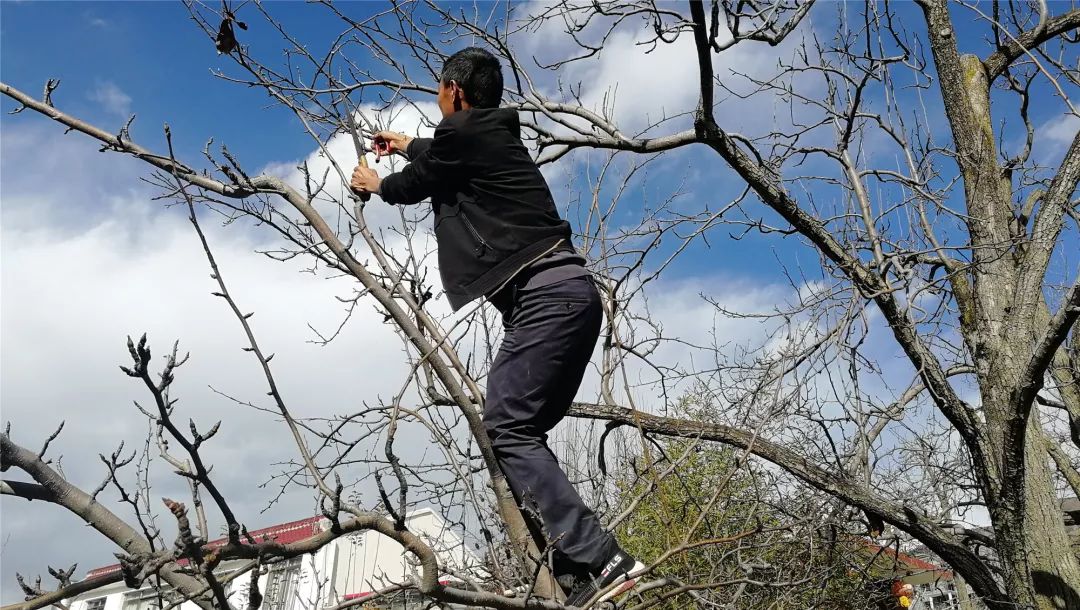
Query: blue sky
88	257
159	59
148	58
114	58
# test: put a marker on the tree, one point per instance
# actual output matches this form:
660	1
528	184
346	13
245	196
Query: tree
788	561
909	175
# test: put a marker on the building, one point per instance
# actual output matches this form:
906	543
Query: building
348	568
932	586
937	588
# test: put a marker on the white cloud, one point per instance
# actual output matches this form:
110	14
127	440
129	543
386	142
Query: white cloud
68	302
639	87
1053	138
112	98
640	84
80	272
414	120
1061	129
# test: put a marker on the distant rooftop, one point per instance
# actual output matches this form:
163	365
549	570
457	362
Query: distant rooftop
283	533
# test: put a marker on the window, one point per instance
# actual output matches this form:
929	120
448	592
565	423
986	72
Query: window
402	600
941	602
936	596
407	601
96	604
280	585
149	599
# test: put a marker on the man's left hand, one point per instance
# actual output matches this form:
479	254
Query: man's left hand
365	180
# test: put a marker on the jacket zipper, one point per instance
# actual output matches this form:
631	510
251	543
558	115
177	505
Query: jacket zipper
475	234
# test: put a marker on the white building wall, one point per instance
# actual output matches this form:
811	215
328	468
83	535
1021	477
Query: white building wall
349	566
369	561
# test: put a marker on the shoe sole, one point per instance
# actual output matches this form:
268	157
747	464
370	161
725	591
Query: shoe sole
617	591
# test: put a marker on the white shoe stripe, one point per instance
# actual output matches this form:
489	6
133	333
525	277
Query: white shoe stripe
619	590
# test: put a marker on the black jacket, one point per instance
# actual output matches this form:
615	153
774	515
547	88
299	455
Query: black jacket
494	213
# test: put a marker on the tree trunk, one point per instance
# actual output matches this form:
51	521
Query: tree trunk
1041	571
1039	568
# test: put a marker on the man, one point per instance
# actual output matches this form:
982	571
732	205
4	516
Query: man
500	236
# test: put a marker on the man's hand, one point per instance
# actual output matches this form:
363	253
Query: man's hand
365	180
389	142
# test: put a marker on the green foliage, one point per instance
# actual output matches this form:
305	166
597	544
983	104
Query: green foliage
723	527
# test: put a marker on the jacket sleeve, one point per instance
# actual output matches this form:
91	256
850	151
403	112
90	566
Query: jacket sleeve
434	165
417	147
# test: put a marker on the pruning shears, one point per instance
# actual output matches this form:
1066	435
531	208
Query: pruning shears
360	151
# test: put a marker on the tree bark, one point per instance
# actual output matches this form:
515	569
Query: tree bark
1039	568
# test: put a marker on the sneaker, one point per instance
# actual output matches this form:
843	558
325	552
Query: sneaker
615	576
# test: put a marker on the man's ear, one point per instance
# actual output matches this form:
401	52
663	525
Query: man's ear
458	95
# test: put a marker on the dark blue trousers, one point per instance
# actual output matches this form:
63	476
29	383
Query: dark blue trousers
549	336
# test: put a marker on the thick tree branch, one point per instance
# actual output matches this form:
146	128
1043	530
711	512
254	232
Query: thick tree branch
1028	299
78	502
997	63
704	62
872	286
1065	465
95	515
1034	374
987	195
28	491
76	588
1046	229
964	91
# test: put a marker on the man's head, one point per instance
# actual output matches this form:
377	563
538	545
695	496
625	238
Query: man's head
471	78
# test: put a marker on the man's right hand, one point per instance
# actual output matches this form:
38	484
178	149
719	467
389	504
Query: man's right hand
389	142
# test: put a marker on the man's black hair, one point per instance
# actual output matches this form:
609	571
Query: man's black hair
479	75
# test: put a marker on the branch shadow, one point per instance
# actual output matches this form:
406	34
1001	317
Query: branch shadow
1061	594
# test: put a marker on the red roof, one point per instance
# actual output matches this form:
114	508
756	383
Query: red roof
284	533
909	561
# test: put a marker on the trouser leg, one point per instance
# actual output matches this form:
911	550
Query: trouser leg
550	335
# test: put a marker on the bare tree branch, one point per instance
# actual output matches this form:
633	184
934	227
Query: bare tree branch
997	63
